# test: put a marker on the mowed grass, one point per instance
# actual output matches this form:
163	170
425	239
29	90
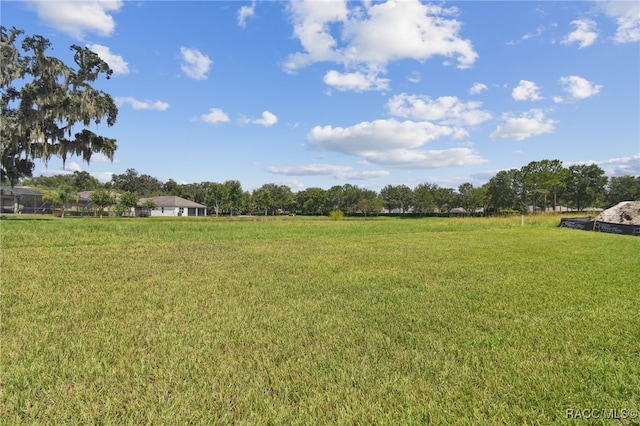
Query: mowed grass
298	321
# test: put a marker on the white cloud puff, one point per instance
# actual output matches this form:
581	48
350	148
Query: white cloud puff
73	166
477	88
103	176
446	109
372	35
626	166
356	81
76	18
526	91
268	119
414	77
406	29
99	157
392	142
367	137
621	166
579	88
627	16
215	116
311	25
195	64
142	105
340	172
116	62
427	159
585	33
245	13
531	123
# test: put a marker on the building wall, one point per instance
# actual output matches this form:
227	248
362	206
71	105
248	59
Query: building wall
177	211
165	211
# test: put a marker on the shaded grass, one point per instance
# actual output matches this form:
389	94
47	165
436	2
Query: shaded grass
386	321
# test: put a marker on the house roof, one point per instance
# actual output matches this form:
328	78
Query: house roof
19	190
172	201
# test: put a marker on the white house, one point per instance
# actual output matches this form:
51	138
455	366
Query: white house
170	205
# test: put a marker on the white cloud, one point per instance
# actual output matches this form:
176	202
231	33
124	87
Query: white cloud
73	166
142	105
406	29
531	123
215	116
340	172
116	62
622	166
54	172
355	81
311	25
414	77
246	12
391	142
76	18
446	109
103	176
627	16
579	88
99	157
366	175
427	159
526	91
373	34
268	119
615	166
196	65
585	33
539	31
310	170
380	135
626	166
477	88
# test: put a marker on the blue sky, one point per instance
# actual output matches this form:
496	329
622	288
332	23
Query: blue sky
322	93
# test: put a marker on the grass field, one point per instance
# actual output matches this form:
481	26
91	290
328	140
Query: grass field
300	321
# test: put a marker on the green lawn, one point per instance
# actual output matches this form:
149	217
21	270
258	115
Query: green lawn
301	321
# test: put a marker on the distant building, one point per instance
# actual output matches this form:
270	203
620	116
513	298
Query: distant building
171	205
22	199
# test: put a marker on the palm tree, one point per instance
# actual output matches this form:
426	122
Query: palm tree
60	197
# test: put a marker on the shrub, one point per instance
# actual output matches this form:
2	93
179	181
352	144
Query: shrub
336	214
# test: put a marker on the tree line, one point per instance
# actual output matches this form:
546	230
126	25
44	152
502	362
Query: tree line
539	185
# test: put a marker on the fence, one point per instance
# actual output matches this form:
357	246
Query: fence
590	224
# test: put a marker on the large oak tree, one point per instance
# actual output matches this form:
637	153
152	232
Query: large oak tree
47	106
